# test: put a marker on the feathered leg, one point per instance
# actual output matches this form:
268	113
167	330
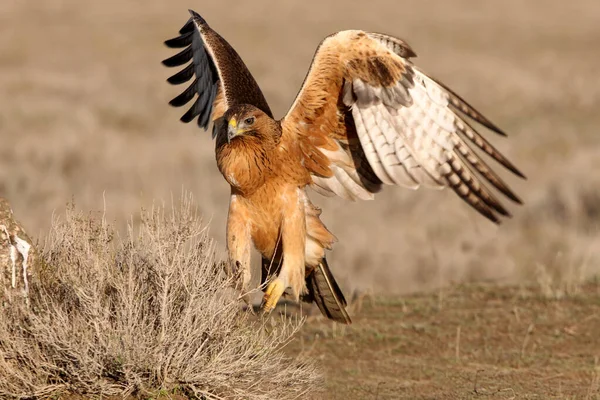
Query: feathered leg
239	244
293	240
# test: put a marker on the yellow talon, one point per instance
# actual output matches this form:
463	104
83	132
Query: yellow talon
273	294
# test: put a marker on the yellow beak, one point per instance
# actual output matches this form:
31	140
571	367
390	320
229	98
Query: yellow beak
232	130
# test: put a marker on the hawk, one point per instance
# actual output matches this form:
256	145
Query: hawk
364	117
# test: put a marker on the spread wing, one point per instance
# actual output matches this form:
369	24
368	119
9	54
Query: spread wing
219	78
366	116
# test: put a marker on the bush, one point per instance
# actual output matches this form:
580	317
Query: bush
149	313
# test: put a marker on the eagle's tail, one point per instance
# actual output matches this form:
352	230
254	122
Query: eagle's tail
324	290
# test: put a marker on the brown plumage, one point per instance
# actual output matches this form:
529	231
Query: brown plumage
365	116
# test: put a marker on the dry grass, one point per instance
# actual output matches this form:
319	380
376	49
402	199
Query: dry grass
475	341
148	313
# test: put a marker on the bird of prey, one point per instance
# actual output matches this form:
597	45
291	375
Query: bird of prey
364	117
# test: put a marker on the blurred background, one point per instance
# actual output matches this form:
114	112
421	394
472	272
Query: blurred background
84	116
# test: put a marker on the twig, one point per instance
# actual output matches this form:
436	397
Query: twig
377	389
457	347
526	339
476	380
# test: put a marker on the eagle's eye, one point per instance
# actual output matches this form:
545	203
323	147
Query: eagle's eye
249	121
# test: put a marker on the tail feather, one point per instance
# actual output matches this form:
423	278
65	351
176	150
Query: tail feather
325	292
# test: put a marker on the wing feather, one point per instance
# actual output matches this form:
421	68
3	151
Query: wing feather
475	137
181	41
182	76
220	77
405	127
352	184
461	105
467	153
363	126
180	58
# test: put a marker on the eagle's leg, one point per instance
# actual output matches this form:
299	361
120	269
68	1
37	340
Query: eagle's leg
239	245
293	239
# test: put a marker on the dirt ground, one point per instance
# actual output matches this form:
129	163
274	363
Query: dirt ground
463	342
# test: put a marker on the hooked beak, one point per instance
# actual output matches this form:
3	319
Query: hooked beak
232	130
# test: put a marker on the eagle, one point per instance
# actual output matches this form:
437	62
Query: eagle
364	117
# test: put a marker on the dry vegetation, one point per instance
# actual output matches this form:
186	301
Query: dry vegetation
142	315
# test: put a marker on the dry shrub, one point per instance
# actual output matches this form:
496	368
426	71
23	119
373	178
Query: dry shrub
145	314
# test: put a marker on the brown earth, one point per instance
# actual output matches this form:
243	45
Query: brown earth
463	342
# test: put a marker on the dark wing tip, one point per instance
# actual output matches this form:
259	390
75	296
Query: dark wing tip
182	76
196	17
180	58
181	41
470	111
517	200
488	213
409	52
514	169
475	137
464	107
490	125
508	193
519	173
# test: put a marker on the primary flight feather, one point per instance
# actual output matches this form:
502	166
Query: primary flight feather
365	116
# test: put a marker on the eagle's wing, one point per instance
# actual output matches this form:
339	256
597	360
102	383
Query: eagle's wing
366	116
219	77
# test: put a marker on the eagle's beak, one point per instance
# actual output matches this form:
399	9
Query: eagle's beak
232	130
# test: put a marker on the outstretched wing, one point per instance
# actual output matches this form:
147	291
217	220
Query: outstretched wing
366	116
220	79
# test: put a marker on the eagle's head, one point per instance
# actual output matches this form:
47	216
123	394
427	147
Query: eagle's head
246	123
246	142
